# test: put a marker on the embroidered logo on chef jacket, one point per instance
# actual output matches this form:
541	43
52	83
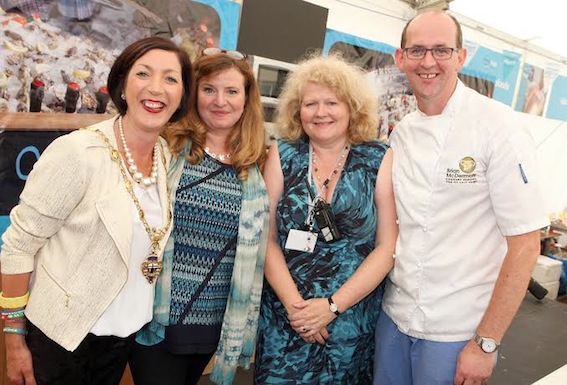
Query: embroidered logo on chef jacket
467	165
464	174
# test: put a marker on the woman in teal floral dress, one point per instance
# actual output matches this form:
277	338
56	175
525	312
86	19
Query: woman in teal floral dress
332	230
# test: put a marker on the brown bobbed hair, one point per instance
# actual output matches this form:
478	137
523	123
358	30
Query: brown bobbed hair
346	80
247	139
124	62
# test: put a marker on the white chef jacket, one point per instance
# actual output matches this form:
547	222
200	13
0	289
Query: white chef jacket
463	181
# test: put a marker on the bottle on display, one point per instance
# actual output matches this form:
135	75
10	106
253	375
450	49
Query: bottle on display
102	98
36	95
71	97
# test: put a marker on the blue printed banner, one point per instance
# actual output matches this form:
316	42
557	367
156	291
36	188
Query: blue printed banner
332	37
557	107
495	73
4	222
229	16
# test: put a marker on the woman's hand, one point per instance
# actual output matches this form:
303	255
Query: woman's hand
310	319
18	360
320	337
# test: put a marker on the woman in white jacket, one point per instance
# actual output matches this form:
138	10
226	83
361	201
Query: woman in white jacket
85	242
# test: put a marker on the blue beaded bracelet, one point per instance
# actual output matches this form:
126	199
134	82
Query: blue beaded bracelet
20	331
7	315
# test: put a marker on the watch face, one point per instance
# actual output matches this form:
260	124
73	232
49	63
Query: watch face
333	307
488	345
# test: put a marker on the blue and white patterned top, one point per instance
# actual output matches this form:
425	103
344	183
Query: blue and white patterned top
205	229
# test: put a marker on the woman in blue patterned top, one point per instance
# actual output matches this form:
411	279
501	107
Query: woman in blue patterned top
207	297
332	230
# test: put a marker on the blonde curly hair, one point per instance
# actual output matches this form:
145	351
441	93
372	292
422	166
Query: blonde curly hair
346	80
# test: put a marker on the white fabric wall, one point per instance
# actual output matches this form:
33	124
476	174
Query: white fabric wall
377	20
550	137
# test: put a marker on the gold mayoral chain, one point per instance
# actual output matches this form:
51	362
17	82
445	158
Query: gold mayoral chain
152	266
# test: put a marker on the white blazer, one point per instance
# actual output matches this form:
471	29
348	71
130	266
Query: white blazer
73	229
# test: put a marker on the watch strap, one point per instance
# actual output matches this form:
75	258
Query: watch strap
333	306
480	340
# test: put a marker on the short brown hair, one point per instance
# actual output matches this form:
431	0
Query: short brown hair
457	24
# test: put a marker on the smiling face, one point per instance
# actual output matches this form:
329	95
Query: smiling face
324	117
433	81
153	89
221	98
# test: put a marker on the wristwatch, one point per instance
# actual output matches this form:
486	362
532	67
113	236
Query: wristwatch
333	306
487	344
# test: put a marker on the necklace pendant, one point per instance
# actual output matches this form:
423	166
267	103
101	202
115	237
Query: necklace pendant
151	267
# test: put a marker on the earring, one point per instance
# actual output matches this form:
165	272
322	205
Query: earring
122	96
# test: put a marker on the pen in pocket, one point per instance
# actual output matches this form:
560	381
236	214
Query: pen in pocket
524	177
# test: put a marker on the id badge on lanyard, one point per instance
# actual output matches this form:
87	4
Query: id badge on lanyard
304	240
301	240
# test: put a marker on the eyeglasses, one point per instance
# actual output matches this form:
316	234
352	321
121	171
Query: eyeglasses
439	53
232	53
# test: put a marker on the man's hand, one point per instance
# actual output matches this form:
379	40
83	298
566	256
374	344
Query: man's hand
474	367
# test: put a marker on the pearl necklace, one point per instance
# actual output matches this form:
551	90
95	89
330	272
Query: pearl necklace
220	157
137	175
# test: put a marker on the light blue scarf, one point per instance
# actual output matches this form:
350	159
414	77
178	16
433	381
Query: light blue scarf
240	323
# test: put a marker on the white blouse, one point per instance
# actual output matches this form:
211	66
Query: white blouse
133	306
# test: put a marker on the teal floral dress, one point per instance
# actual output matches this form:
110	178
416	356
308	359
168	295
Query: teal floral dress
282	357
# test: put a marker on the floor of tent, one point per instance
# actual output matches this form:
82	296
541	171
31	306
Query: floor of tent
535	345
